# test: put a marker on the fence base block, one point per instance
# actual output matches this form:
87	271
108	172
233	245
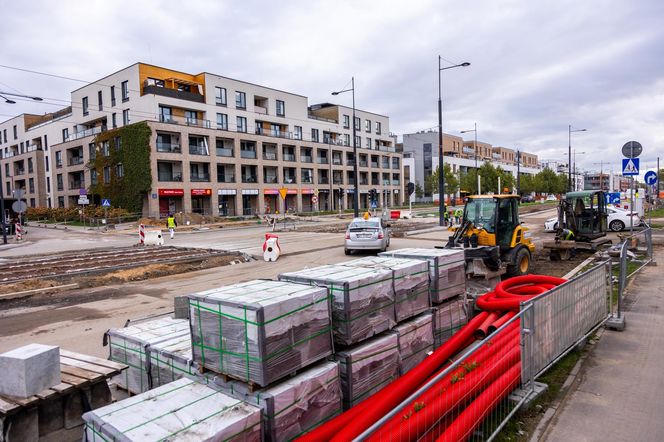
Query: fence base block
530	395
652	263
616	323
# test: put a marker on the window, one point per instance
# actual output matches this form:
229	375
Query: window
125	117
58	159
112	96
105	151
222	121
118	143
48	184
119	170
100	100
314	135
65	134
107	175
4	135
368	143
125	91
155	82
59	181
198	145
85	105
9	188
46	143
191	117
47	164
379	128
220	96
15	133
240	100
93	177
297	132
241	124
367	125
31	185
165	114
61	201
92	151
33	202
346	122
114	120
358	123
346	140
358	141
281	108
30	166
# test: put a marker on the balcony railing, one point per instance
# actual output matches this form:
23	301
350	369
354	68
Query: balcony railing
168	148
76	185
249	179
387	148
273	133
198	150
224	152
385	165
270	179
363	164
225	178
74	161
306	159
374	164
84	133
468	150
173	93
171	119
323	180
386	182
260	110
396	182
251	154
307	180
364	182
337	181
350	162
199	177
165	176
270	156
58	164
289	157
375	182
395	166
321	160
290	180
337	161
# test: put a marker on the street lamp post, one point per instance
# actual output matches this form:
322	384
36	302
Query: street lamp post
569	157
2	208
356	190
441	169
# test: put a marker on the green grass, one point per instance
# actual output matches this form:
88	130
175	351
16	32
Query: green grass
657	213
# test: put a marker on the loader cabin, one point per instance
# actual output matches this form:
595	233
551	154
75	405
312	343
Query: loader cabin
585	214
497	215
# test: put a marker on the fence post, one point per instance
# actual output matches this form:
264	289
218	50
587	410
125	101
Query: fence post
622	281
526	342
609	268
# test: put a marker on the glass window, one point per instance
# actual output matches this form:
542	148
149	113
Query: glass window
220	96
100	100
346	122
85	105
314	135
240	100
281	108
241	124
297	132
125	117
222	121
367	125
358	123
114	120
125	90
112	95
107	175
119	170
378	128
480	211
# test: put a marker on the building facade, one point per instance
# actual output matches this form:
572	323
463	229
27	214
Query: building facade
421	148
225	147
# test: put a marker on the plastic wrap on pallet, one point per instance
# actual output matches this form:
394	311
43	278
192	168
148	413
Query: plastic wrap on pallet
410	280
183	410
446	270
362	299
415	341
128	345
296	405
448	317
368	367
260	331
171	360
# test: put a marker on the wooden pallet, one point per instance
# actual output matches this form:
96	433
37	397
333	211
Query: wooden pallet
78	372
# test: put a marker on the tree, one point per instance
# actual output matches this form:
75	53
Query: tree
419	192
451	181
489	179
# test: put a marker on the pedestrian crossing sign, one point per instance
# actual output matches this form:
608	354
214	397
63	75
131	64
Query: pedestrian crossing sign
630	166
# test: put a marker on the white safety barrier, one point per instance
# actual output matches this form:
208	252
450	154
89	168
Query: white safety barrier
19	232
271	249
141	233
153	238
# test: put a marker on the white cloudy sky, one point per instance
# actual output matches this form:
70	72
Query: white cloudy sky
537	66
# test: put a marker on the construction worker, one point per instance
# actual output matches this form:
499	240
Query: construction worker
171	224
446	218
458	214
567	235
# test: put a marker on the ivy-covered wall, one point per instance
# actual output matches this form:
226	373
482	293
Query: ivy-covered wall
133	153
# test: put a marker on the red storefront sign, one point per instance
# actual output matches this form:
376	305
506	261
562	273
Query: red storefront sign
201	192
171	192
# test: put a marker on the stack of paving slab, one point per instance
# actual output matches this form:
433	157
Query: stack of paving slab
410	280
368	367
130	345
415	340
171	360
260	331
362	299
182	410
295	405
447	277
448	318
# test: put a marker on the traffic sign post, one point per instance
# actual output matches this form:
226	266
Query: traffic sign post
630	166
631	150
650	178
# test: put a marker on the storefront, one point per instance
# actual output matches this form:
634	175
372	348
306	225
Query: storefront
307	201
291	201
170	201
201	201
226	200
249	201
271	200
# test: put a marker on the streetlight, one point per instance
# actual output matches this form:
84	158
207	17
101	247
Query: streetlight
2	208
475	149
9	101
356	190
575	173
441	170
569	157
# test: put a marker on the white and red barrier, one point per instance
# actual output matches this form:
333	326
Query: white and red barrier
19	232
141	234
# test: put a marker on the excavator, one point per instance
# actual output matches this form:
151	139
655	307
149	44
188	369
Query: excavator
494	242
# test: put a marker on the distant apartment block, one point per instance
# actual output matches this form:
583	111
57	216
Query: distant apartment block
218	146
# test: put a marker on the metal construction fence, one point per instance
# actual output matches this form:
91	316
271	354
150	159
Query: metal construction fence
636	251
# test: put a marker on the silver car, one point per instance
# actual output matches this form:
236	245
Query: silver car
369	234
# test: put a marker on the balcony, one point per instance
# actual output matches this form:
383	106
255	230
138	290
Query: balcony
468	150
250	154
18	172
260	110
307	180
386	182
270	179
199	177
350	162
196	122
225	178
289	157
321	160
273	133
272	156
224	152
323	180
363	164
249	179
84	133
73	185
374	165
169	176
337	181
173	93
198	150
290	179
75	161
387	148
395	166
337	161
168	148
306	159
385	165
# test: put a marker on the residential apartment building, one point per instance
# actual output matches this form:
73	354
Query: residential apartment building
606	181
220	146
25	161
421	153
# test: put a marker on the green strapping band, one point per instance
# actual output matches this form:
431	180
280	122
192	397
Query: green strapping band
246	341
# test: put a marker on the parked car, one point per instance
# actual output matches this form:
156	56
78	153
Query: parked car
369	234
551	198
618	219
527	199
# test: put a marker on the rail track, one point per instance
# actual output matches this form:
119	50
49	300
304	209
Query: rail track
97	261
